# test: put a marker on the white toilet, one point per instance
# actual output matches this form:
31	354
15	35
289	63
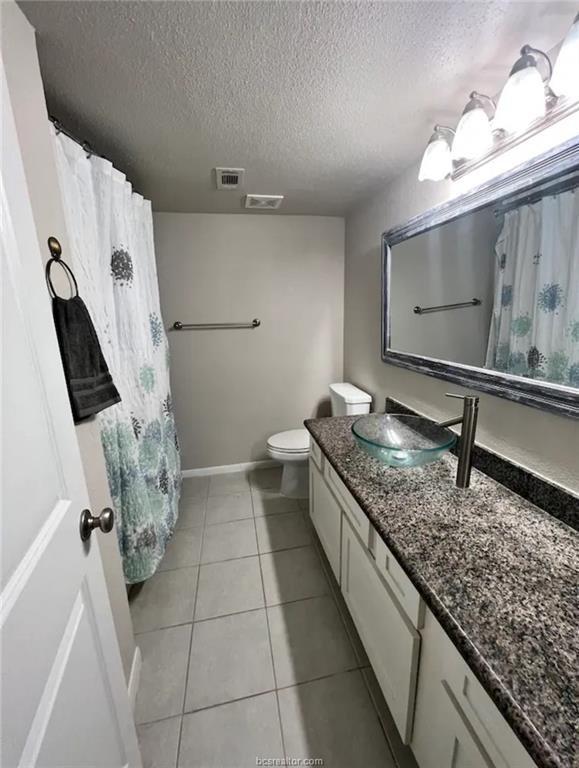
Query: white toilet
292	448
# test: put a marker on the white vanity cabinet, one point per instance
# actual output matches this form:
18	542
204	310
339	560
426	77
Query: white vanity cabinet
386	622
437	704
326	516
390	640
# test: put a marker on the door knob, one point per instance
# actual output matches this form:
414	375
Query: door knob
88	522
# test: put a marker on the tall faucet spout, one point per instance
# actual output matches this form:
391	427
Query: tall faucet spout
467	434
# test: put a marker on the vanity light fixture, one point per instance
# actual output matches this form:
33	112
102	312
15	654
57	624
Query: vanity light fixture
535	96
565	80
474	136
436	162
523	98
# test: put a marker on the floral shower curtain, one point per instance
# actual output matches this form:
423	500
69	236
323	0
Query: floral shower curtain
111	238
535	321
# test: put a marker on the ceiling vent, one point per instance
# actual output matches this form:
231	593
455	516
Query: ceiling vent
229	178
263	202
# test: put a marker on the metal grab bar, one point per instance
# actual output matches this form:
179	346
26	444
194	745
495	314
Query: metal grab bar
179	326
441	307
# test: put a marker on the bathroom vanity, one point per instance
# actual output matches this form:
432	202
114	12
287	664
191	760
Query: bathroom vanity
465	601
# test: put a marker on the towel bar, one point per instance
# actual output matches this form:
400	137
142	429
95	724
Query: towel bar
179	326
441	307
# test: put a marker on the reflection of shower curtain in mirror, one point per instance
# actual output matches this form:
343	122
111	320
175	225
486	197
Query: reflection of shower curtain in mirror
535	321
111	238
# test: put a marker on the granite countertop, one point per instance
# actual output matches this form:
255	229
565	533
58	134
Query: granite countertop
499	574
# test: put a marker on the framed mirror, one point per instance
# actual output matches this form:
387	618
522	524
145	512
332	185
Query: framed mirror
483	291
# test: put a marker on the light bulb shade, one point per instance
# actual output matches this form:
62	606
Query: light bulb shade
522	101
436	162
565	79
473	137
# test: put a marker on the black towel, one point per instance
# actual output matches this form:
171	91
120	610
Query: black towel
90	385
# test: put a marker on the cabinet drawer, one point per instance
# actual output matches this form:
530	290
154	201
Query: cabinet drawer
326	516
500	744
316	453
390	640
354	513
392	573
462	748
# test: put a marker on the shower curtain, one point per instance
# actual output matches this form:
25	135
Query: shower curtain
535	321
111	239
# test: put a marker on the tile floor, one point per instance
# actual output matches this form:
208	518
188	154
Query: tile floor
248	650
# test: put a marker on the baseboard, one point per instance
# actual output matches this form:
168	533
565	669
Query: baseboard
225	469
135	676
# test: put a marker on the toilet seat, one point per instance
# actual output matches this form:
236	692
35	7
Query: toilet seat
291	442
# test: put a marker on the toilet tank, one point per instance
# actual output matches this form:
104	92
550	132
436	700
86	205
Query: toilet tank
348	400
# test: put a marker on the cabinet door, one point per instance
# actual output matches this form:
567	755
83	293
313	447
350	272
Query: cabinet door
326	515
461	747
390	640
456	724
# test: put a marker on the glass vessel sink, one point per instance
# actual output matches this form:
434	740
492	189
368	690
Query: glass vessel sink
402	441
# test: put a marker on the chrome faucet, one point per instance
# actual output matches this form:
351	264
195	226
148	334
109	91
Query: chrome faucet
467	433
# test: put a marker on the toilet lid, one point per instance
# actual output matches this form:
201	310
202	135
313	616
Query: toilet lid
292	441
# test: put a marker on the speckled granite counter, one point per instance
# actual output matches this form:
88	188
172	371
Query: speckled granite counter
500	575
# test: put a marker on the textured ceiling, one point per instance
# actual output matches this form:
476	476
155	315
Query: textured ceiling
321	102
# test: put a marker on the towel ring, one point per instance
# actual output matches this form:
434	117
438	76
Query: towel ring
55	249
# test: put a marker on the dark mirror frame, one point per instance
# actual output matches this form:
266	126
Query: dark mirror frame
538	394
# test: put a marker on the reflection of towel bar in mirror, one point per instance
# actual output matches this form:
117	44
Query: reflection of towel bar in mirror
178	326
441	307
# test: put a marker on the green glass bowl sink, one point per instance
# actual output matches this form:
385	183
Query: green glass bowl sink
402	441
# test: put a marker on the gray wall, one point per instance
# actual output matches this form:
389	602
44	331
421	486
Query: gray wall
546	444
233	389
27	97
452	263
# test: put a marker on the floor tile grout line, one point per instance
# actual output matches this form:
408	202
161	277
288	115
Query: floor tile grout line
263	607
224	522
224	494
229	701
242	488
281	732
160	629
229	559
158	720
267	552
186	528
190	645
227	615
269	640
326	676
246	473
298	600
317	679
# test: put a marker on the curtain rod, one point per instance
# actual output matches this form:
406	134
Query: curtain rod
59	127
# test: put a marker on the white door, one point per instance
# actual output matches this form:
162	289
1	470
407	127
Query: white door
64	699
